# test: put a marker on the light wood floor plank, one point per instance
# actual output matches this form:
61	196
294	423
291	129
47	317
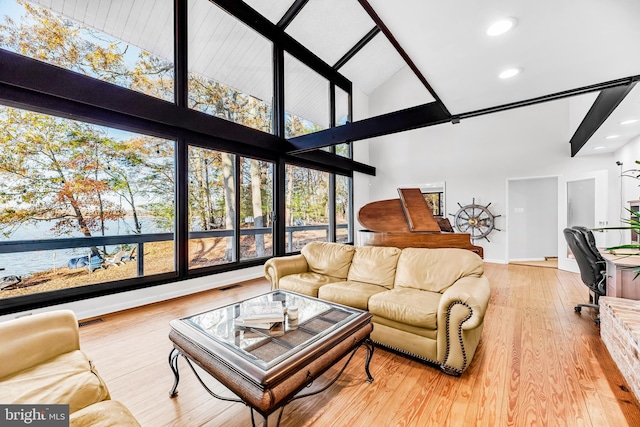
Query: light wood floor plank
538	363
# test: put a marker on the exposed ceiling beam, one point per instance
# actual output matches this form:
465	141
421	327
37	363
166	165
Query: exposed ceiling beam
43	78
427	115
372	13
291	13
606	102
356	48
546	98
319	159
262	25
410	118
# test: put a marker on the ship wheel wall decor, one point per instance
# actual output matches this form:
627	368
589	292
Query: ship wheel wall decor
477	220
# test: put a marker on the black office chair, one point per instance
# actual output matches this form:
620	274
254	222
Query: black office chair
591	240
591	264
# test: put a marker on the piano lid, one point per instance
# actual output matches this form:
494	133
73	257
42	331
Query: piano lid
410	213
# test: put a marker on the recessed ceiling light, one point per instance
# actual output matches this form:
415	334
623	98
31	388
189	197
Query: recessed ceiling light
510	72
612	136
598	148
501	26
628	122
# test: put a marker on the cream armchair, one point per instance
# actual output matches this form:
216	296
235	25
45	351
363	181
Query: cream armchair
41	363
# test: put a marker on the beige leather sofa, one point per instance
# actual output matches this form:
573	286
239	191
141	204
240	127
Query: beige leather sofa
428	303
41	363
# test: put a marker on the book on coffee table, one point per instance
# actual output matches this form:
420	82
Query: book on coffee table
260	315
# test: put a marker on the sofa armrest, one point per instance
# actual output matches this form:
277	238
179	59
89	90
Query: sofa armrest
277	268
460	319
473	293
31	340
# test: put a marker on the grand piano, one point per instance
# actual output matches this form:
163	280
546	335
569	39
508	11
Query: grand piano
407	222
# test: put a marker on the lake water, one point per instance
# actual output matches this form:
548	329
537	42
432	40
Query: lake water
25	263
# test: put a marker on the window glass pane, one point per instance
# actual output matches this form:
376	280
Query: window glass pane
342	118
62	178
256	207
344	150
307	197
128	43
344	228
329	28
342	107
306	99
230	67
212	212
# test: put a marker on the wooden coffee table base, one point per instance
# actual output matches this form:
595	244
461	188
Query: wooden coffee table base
266	399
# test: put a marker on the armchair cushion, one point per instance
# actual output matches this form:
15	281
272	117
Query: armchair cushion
30	340
375	265
68	378
329	259
436	269
109	413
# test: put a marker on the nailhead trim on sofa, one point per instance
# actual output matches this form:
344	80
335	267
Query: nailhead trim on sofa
446	368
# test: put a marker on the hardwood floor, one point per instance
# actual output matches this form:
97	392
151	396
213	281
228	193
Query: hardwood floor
539	363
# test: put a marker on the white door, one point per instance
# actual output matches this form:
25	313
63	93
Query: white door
582	200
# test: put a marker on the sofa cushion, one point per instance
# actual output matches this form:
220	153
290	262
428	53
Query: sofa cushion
109	413
353	294
411	306
375	265
306	283
330	259
404	327
436	269
69	378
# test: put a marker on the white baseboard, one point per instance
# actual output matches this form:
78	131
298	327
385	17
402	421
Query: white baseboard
495	261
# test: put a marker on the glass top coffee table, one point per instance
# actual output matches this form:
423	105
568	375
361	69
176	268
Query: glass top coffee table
266	368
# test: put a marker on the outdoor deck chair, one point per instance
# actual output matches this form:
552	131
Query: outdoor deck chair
95	263
129	255
116	260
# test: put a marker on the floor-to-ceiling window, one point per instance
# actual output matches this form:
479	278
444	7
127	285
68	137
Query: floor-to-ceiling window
116	171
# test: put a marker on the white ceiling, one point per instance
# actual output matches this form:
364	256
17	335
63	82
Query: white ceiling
558	44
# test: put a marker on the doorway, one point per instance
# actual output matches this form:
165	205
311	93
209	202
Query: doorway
532	222
580	202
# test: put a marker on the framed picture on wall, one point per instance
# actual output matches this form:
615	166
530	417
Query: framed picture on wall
434	201
434	195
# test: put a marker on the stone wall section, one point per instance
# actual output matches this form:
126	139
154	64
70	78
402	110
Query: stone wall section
620	332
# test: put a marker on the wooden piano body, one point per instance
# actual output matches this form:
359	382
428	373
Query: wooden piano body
407	222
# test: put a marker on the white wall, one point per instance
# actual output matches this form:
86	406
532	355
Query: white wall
477	156
360	154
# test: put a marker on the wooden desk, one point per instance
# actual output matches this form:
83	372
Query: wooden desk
621	271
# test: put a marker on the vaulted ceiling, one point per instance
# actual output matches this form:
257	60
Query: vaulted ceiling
568	47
